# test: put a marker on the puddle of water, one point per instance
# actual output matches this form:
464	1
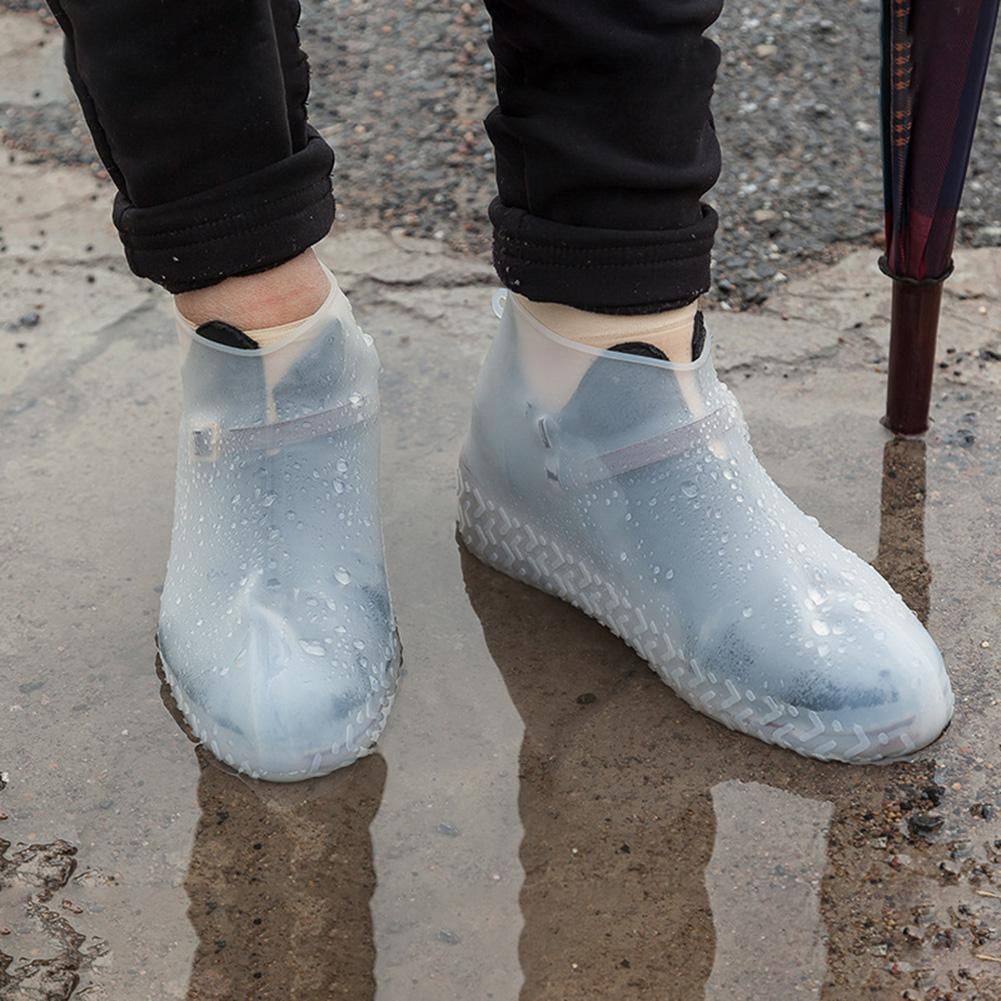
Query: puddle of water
279	883
544	819
764	890
900	557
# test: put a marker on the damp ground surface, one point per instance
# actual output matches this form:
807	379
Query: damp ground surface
544	820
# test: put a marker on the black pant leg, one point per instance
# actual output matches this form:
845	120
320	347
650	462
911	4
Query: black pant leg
604	148
198	110
285	16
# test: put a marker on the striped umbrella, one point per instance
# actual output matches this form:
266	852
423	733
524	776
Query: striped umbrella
935	56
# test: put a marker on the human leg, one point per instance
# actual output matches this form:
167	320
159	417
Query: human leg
276	629
619	476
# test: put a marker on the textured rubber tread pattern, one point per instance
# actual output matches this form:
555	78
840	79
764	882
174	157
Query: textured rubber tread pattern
357	740
501	540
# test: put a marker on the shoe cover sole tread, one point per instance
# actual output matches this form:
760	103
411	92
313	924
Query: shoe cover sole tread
504	542
316	763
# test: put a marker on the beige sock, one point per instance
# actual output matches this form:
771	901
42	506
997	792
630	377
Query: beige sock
266	337
291	291
277	364
670	332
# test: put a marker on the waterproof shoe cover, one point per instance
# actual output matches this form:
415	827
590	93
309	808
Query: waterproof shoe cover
276	631
641	502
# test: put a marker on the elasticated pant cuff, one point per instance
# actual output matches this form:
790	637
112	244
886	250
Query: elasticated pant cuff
245	226
600	270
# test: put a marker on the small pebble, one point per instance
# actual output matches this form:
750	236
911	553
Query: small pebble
924	823
934	794
950	869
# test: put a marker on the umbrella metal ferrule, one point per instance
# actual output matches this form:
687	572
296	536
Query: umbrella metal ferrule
913	330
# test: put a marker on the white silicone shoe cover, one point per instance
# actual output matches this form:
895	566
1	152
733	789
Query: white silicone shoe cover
276	630
641	502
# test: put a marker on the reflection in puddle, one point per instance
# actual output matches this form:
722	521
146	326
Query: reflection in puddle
901	558
657	861
618	823
634	807
279	884
764	888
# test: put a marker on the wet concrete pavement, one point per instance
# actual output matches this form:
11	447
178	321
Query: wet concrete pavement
544	820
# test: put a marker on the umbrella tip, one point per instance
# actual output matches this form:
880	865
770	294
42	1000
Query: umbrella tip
905	427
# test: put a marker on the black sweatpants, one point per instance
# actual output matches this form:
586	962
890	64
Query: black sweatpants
603	136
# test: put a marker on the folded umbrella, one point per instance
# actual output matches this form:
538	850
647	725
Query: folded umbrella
935	56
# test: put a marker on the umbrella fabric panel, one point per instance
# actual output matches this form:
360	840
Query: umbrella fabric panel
935	63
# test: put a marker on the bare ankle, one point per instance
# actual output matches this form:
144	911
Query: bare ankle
290	292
